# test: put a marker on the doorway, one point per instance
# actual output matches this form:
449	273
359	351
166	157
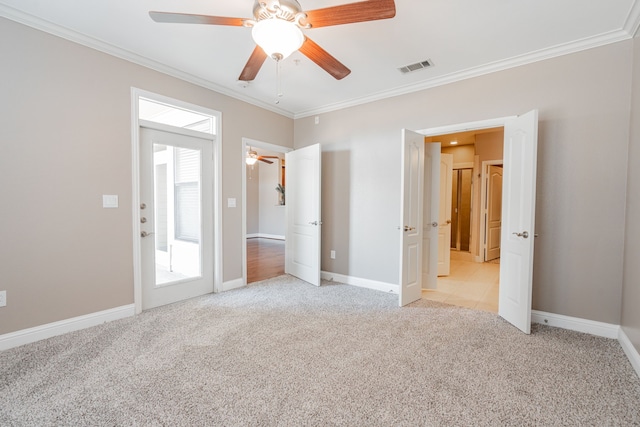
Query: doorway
264	205
265	213
177	222
470	281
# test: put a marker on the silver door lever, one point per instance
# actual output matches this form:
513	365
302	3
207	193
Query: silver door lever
524	234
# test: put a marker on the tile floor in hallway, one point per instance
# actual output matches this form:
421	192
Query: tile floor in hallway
470	284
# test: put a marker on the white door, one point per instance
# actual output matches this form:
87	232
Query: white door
493	212
411	193
518	219
302	243
444	227
431	215
176	214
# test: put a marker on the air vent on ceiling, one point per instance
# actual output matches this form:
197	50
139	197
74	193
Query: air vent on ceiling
417	66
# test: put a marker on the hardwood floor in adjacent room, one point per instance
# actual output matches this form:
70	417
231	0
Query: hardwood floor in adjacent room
265	259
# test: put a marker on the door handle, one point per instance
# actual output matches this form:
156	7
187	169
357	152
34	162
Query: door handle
145	234
434	224
407	228
448	221
315	223
524	234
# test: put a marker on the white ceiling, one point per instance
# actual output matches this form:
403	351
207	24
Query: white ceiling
462	38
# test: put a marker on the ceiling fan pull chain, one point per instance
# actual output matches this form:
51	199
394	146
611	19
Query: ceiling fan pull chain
278	83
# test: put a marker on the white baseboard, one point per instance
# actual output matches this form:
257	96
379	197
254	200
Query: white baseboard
232	284
600	329
362	283
629	350
265	236
37	333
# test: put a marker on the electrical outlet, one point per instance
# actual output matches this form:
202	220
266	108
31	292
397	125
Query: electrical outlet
333	254
3	298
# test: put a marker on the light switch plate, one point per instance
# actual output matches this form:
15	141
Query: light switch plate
109	200
231	202
3	298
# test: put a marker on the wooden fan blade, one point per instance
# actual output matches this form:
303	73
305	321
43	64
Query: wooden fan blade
321	57
185	18
250	71
371	10
270	157
266	161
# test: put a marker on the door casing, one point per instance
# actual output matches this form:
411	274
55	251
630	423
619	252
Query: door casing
136	94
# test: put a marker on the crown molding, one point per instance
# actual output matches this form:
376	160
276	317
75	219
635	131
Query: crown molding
630	28
90	42
516	61
632	23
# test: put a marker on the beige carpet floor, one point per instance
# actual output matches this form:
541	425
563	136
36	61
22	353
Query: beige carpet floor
284	353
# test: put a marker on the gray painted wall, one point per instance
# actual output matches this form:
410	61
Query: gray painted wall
65	130
631	287
583	100
65	134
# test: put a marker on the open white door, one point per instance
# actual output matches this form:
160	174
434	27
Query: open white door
493	212
431	215
518	219
411	193
302	244
444	233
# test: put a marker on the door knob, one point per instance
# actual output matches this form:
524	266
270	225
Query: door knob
524	234
143	205
315	222
434	224
145	234
448	221
407	228
143	220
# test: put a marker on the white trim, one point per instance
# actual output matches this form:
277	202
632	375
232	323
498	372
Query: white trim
629	350
505	64
30	335
631	26
632	23
233	284
468	126
265	236
216	139
600	329
359	282
101	46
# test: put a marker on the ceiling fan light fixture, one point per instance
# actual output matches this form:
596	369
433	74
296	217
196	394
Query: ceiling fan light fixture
277	37
252	157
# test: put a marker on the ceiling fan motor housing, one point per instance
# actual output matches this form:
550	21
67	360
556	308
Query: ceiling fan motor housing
284	9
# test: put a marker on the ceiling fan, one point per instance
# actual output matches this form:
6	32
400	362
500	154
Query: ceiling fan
253	157
277	29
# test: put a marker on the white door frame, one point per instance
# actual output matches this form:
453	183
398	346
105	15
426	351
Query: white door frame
248	142
483	195
135	184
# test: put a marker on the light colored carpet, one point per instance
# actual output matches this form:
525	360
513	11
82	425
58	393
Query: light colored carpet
285	353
